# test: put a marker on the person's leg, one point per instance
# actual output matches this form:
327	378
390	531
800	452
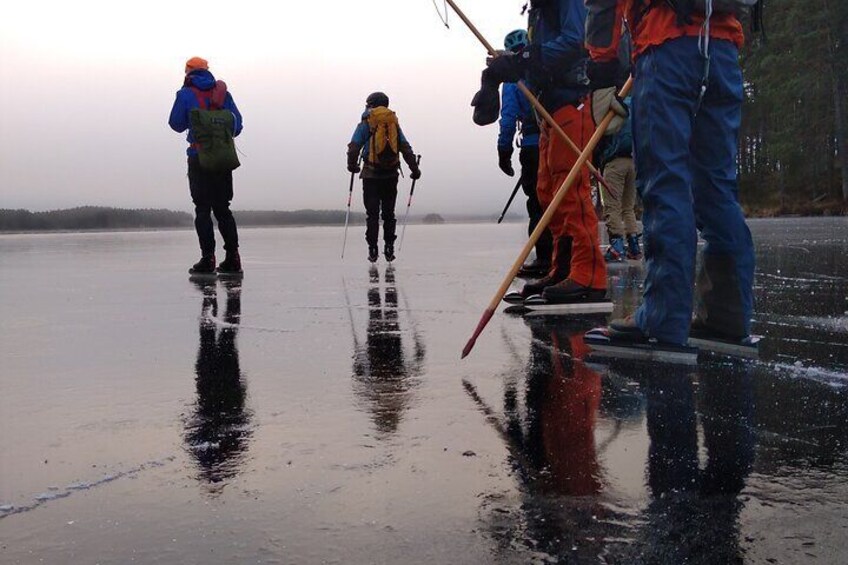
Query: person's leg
588	268
388	199
201	197
615	173
371	198
668	80
561	242
725	281
628	198
529	159
545	191
631	226
222	184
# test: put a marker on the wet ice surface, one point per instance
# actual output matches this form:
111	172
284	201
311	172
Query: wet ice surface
318	411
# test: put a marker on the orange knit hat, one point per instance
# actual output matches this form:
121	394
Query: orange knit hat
195	64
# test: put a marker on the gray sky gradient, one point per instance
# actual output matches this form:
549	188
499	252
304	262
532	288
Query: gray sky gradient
88	85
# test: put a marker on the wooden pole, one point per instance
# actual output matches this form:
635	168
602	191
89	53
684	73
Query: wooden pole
544	221
546	116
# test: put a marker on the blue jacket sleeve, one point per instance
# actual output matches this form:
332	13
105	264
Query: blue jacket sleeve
510	110
230	104
179	113
361	134
567	48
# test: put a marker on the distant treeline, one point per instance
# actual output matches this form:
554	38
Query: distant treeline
105	218
92	218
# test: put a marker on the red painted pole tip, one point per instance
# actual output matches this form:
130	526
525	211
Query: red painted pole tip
487	315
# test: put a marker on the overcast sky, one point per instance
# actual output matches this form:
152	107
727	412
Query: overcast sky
88	86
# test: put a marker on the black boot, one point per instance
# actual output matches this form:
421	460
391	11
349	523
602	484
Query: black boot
718	300
559	273
389	251
205	266
373	254
534	269
568	291
231	265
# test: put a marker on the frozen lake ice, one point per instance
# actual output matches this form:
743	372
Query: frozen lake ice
317	411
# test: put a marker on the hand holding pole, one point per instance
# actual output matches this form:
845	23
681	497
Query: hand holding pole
546	116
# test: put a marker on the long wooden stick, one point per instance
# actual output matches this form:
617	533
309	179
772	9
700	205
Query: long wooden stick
535	102
544	221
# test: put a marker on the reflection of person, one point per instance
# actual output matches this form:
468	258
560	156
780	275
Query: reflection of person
217	432
516	112
551	440
563	396
693	513
383	373
210	191
380	142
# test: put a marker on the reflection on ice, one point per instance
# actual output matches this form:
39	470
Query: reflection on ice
217	433
384	370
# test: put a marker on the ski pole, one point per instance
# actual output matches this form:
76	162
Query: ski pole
408	204
347	215
543	221
535	102
511	198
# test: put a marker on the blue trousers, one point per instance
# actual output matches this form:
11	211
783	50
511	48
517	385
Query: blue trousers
686	168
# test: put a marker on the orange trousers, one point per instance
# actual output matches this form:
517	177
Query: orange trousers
575	216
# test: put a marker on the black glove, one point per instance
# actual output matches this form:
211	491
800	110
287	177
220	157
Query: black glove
603	75
506	67
487	102
353	167
415	173
505	161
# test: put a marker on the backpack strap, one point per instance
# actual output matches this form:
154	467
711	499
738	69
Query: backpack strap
211	99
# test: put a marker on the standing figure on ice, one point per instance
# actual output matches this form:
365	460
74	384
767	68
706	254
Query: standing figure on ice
555	65
687	106
516	112
378	141
209	113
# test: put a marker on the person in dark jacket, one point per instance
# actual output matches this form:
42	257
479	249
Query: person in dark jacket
555	66
516	112
379	176
210	191
687	109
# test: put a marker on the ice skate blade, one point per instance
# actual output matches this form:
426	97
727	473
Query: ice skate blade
231	276
748	348
635	352
202	277
539	305
513	298
516	310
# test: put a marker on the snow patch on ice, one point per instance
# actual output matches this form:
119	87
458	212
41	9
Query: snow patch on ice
836	379
55	492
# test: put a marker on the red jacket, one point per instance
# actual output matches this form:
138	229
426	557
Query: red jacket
656	26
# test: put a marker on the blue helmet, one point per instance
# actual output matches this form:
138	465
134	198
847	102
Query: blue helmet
516	40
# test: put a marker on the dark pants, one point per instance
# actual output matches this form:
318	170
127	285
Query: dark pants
212	192
529	159
380	196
